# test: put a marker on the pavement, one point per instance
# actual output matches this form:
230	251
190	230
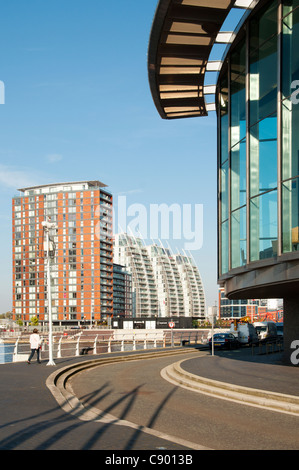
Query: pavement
39	412
260	380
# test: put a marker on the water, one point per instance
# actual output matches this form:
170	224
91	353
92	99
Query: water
6	352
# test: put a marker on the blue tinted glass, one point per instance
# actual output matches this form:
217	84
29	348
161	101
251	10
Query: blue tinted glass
224	191
263	81
238	175
237	94
263	226
263	156
224	247
290	215
290	139
290	56
238	237
263	25
223	99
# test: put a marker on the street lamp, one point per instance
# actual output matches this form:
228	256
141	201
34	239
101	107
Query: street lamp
47	225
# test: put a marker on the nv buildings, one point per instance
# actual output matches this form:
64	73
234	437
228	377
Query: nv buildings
81	249
255	95
164	284
89	278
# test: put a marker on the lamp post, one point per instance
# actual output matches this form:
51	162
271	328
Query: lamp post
47	225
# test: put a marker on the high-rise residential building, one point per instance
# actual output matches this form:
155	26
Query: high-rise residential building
164	284
194	296
122	291
81	252
131	252
168	281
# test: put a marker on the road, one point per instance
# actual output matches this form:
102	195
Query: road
135	391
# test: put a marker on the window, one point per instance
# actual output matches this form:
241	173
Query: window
263	226
290	125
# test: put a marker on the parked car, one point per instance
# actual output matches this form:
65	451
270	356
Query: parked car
266	330
225	341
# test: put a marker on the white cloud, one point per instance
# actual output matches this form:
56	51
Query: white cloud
12	177
54	157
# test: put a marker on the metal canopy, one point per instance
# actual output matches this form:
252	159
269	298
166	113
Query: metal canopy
182	36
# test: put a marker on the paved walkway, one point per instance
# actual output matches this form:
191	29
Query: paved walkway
32	419
241	367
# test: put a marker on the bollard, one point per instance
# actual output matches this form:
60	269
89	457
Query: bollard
59	348
77	346
15	351
95	345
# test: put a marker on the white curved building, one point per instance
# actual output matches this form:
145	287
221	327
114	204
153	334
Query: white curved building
168	281
164	285
194	296
130	252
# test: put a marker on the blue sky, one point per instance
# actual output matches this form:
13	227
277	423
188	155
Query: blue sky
78	106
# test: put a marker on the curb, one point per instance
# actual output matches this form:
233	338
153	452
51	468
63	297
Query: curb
271	401
57	382
58	385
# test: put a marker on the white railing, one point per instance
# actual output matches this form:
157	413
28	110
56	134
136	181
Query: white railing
99	342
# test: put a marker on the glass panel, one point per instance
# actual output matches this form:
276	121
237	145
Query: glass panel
263	226
238	175
290	139
238	237
263	25
263	81
223	97
290	57
263	156
290	83
290	216
224	247
289	5
224	191
238	60
238	110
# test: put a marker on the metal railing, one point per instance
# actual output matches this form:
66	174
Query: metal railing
268	347
99	342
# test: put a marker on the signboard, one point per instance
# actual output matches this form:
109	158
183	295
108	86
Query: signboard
171	324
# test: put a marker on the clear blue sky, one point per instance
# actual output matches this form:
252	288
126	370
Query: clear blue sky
78	106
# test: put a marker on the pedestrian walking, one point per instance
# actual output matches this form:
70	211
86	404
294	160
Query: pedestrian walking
35	343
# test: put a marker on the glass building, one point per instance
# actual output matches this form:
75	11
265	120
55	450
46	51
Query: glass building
256	98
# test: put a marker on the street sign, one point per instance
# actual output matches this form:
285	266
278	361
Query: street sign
171	324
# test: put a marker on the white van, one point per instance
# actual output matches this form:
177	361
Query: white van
245	332
266	330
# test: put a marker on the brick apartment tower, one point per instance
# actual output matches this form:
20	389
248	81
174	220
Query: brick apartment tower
82	262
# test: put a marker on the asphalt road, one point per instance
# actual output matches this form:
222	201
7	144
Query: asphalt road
135	391
31	419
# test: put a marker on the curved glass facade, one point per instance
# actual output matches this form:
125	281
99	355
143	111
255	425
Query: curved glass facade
258	118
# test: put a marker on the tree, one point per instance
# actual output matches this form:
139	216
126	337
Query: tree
34	321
